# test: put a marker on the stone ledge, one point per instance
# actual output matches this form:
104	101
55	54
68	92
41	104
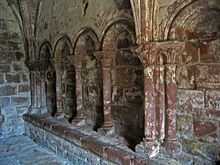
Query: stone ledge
90	143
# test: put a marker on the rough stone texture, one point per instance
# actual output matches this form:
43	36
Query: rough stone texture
78	146
14	97
21	150
198	123
126	68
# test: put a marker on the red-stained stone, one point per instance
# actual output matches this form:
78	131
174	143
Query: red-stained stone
117	155
93	145
106	63
192	51
171	94
203	128
189	100
73	134
212	99
204	53
208	76
212	114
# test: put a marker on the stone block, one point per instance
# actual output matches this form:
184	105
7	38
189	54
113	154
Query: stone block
2	80
23	88
7	90
6	57
13	78
192	53
21	110
19	101
12	45
212	99
185	126
4	101
117	155
25	77
1	120
4	68
93	145
186	77
207	76
203	128
187	100
19	55
17	67
209	52
213	114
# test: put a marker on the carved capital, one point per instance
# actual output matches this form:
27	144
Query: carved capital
161	53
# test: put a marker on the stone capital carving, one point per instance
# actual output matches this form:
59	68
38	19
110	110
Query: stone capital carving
161	53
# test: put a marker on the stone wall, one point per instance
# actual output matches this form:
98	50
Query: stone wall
198	119
165	97
14	77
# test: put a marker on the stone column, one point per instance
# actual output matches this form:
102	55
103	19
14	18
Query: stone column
105	59
43	96
172	145
160	97
79	119
37	83
154	82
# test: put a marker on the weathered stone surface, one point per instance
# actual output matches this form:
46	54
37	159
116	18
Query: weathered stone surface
190	99
4	68
76	146
12	78
12	67
185	126
212	99
5	101
7	90
207	76
24	88
204	128
22	150
19	101
25	78
17	67
177	43
2	80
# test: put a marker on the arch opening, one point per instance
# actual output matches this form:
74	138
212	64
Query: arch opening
91	79
50	77
65	81
127	93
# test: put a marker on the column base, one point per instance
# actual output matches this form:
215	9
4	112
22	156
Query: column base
106	129
79	120
59	115
173	147
34	110
154	149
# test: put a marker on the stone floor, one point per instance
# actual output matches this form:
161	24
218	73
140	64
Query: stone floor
21	150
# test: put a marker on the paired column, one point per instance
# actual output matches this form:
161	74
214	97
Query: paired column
160	98
38	89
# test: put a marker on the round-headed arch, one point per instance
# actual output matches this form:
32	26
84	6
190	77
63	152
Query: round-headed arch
89	36
63	42
116	29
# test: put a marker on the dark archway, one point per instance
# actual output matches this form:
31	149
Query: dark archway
65	78
45	56
127	83
91	78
